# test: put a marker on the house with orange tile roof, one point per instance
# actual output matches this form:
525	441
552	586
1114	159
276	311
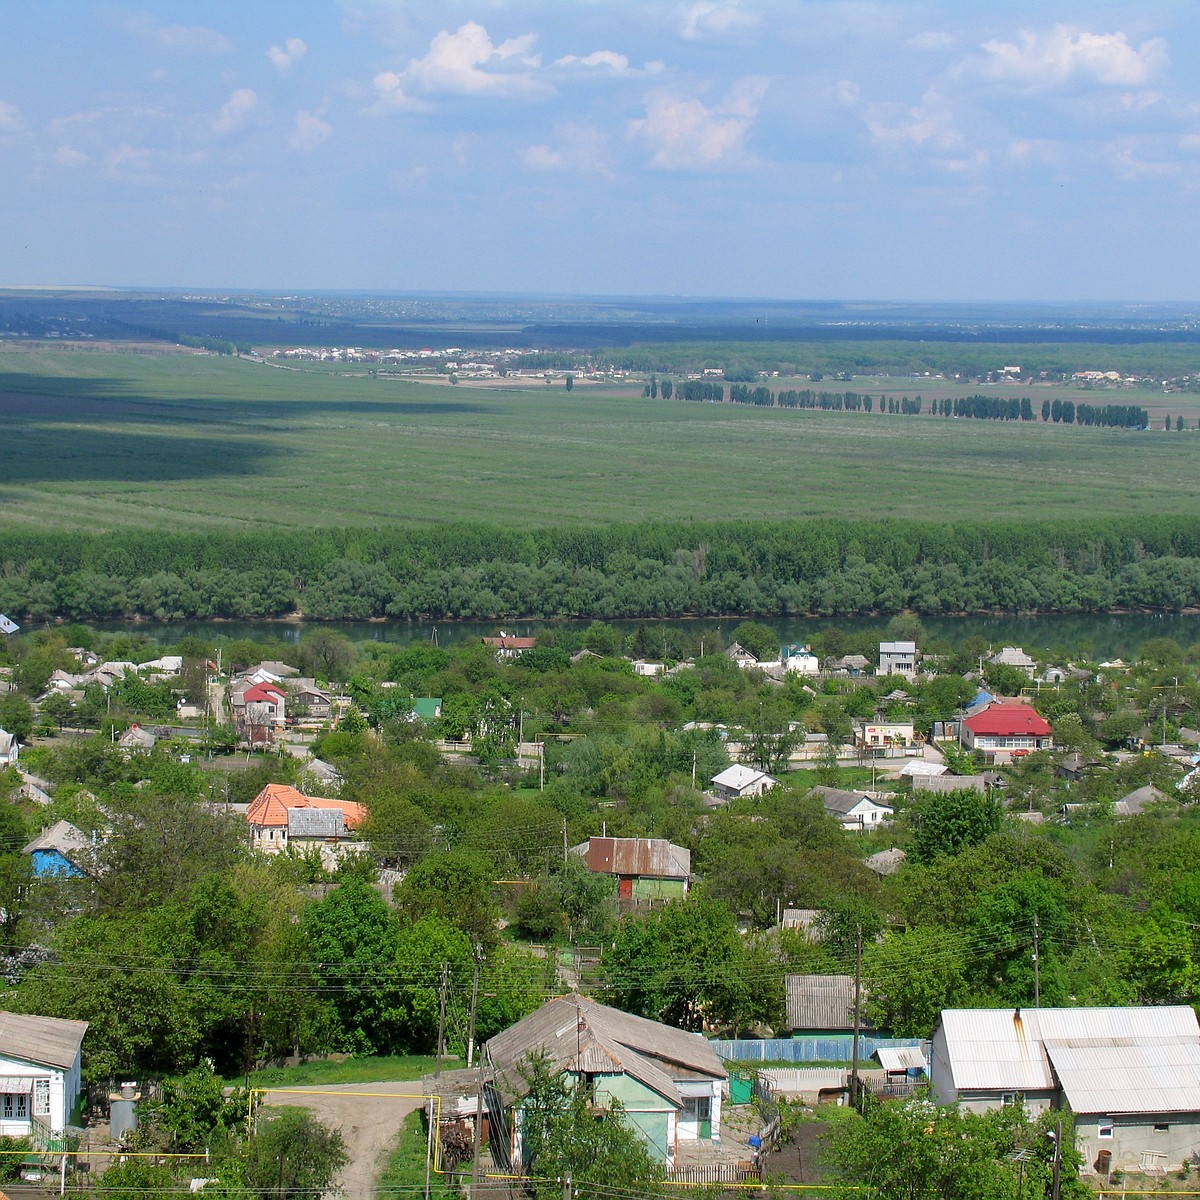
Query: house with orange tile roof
280	817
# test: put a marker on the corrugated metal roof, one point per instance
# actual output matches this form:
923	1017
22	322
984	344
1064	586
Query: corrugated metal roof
61	836
1002	1049
891	1058
48	1041
316	822
820	1002
577	1034
1152	1076
646	858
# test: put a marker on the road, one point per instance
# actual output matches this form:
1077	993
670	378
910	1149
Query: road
369	1118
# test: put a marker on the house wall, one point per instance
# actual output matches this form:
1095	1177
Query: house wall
64	1087
690	1130
1136	1143
648	1114
658	889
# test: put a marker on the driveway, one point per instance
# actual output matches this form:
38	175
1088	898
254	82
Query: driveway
368	1117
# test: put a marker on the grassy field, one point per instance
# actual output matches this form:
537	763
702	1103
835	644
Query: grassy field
378	1069
95	441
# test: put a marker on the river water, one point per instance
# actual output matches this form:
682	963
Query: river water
1094	635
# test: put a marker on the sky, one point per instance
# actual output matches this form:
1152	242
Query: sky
936	150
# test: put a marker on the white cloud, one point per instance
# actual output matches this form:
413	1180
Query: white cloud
1132	165
234	111
848	91
130	163
598	58
308	131
684	132
715	20
390	95
195	38
289	54
1063	54
468	63
9	118
930	123
68	156
581	149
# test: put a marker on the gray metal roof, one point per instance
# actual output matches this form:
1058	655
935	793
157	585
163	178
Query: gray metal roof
820	1002
902	1058
47	1041
61	836
1134	803
1007	1050
838	800
579	1035
316	822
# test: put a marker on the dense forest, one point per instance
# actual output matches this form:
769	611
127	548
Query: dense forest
620	571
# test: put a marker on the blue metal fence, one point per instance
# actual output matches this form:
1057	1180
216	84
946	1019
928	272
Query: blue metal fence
833	1047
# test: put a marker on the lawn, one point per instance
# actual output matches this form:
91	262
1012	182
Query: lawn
97	441
380	1069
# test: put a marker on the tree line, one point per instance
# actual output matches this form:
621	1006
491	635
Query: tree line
662	569
1066	412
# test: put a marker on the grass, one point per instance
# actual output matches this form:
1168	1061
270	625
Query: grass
100	441
405	1169
381	1069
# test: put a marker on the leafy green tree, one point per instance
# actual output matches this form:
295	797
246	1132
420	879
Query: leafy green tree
293	1155
562	1136
136	1179
768	738
949	822
16	716
912	976
456	885
761	640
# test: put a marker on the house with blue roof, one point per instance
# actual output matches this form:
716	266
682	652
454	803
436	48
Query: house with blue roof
60	850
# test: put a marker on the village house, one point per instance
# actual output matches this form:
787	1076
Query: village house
898	658
259	713
509	645
313	701
1131	1076
280	817
61	849
740	656
894	737
1006	730
10	749
800	660
1015	657
136	740
646	869
850	664
669	1083
740	780
820	1004
40	1075
856	811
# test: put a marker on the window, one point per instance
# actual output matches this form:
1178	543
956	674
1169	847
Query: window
15	1106
1105	1128
1161	1127
41	1097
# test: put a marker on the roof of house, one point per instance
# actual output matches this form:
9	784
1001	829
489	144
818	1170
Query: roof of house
897	647
48	1041
1107	1060
838	800
426	707
647	858
279	669
820	1001
900	1058
509	641
1135	802
264	693
919	766
886	862
61	836
849	661
272	805
135	737
739	776
316	822
1008	720
1012	656
7	741
576	1034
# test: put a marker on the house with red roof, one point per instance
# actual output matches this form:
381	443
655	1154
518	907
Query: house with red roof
1006	730
509	645
260	713
280	817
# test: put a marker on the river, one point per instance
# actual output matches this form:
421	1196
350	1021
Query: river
1094	635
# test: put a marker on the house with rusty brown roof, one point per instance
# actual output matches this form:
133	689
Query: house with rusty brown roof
646	869
282	818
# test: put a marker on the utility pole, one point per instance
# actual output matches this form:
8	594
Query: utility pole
1056	1182
542	765
564	839
693	770
441	1042
568	1190
477	1140
1037	970
428	1143
857	1013
474	1001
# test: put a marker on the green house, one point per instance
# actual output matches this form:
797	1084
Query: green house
427	708
669	1082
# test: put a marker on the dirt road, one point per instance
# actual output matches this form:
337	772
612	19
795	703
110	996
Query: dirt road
369	1116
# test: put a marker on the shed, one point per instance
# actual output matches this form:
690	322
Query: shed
820	1003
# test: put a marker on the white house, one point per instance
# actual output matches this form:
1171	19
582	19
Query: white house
741	780
884	735
1131	1076
801	660
10	749
898	658
40	1067
1015	656
855	810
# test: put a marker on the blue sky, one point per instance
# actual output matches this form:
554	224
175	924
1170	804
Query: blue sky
811	149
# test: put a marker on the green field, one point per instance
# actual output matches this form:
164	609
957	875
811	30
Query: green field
97	441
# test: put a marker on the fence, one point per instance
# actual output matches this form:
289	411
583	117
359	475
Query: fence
740	1172
830	1048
